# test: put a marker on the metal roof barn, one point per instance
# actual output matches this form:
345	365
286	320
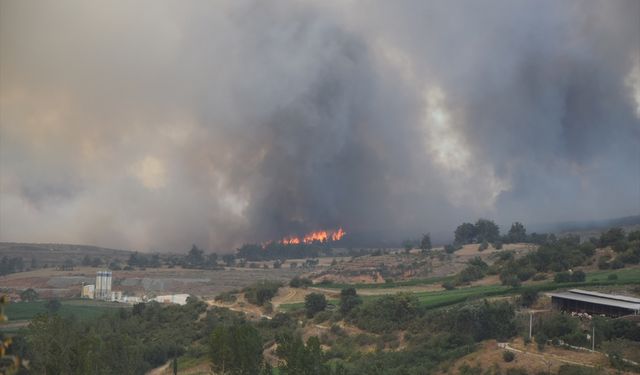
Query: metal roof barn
595	303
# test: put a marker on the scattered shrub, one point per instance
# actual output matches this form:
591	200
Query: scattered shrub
483	246
314	303
603	262
528	298
261	292
300	282
349	299
541	340
448	285
616	264
227	297
539	277
567	277
508	356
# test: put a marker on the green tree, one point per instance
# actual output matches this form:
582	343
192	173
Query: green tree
611	237
517	233
349	299
314	303
425	243
96	262
407	245
59	347
53	305
229	259
86	261
300	282
528	297
487	230
195	257
301	359
212	260
68	265
634	236
465	233
236	349
387	313
29	295
261	292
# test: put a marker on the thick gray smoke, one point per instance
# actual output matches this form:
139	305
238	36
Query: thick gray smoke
153	125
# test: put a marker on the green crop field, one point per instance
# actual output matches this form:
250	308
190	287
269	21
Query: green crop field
81	309
432	300
388	285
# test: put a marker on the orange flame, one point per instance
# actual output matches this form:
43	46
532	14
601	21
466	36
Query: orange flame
319	236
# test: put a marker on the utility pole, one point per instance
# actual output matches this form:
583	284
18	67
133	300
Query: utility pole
530	323
593	338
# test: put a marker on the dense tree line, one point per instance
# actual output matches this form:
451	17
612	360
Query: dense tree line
485	232
149	335
482	231
11	265
126	342
556	254
144	261
625	246
278	250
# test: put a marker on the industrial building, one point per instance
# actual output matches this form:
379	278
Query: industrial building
594	303
103	286
179	299
102	291
88	291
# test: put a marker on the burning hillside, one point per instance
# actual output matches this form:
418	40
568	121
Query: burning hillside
317	236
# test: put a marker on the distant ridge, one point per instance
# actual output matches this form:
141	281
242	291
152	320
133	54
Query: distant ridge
56	254
627	221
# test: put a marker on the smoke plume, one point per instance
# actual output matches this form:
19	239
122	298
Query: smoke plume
154	125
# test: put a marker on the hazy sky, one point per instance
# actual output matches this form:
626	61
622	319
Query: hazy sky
152	125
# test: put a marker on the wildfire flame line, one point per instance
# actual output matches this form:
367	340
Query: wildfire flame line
319	236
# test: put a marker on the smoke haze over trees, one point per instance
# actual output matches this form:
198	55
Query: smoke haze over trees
155	125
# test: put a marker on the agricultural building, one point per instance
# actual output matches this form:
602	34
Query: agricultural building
594	303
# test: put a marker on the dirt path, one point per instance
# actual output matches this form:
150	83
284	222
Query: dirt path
241	305
546	357
160	370
289	295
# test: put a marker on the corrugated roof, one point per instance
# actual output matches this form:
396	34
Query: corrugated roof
607	300
616	297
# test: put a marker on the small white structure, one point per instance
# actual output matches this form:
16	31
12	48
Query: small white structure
88	291
103	286
131	299
179	299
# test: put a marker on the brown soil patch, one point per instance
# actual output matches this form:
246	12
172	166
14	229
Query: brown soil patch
528	357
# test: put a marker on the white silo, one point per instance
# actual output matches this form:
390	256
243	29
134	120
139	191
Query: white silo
103	285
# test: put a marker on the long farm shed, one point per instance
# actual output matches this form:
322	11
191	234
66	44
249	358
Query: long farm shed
578	300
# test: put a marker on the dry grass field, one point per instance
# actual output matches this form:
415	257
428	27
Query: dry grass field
529	358
51	282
